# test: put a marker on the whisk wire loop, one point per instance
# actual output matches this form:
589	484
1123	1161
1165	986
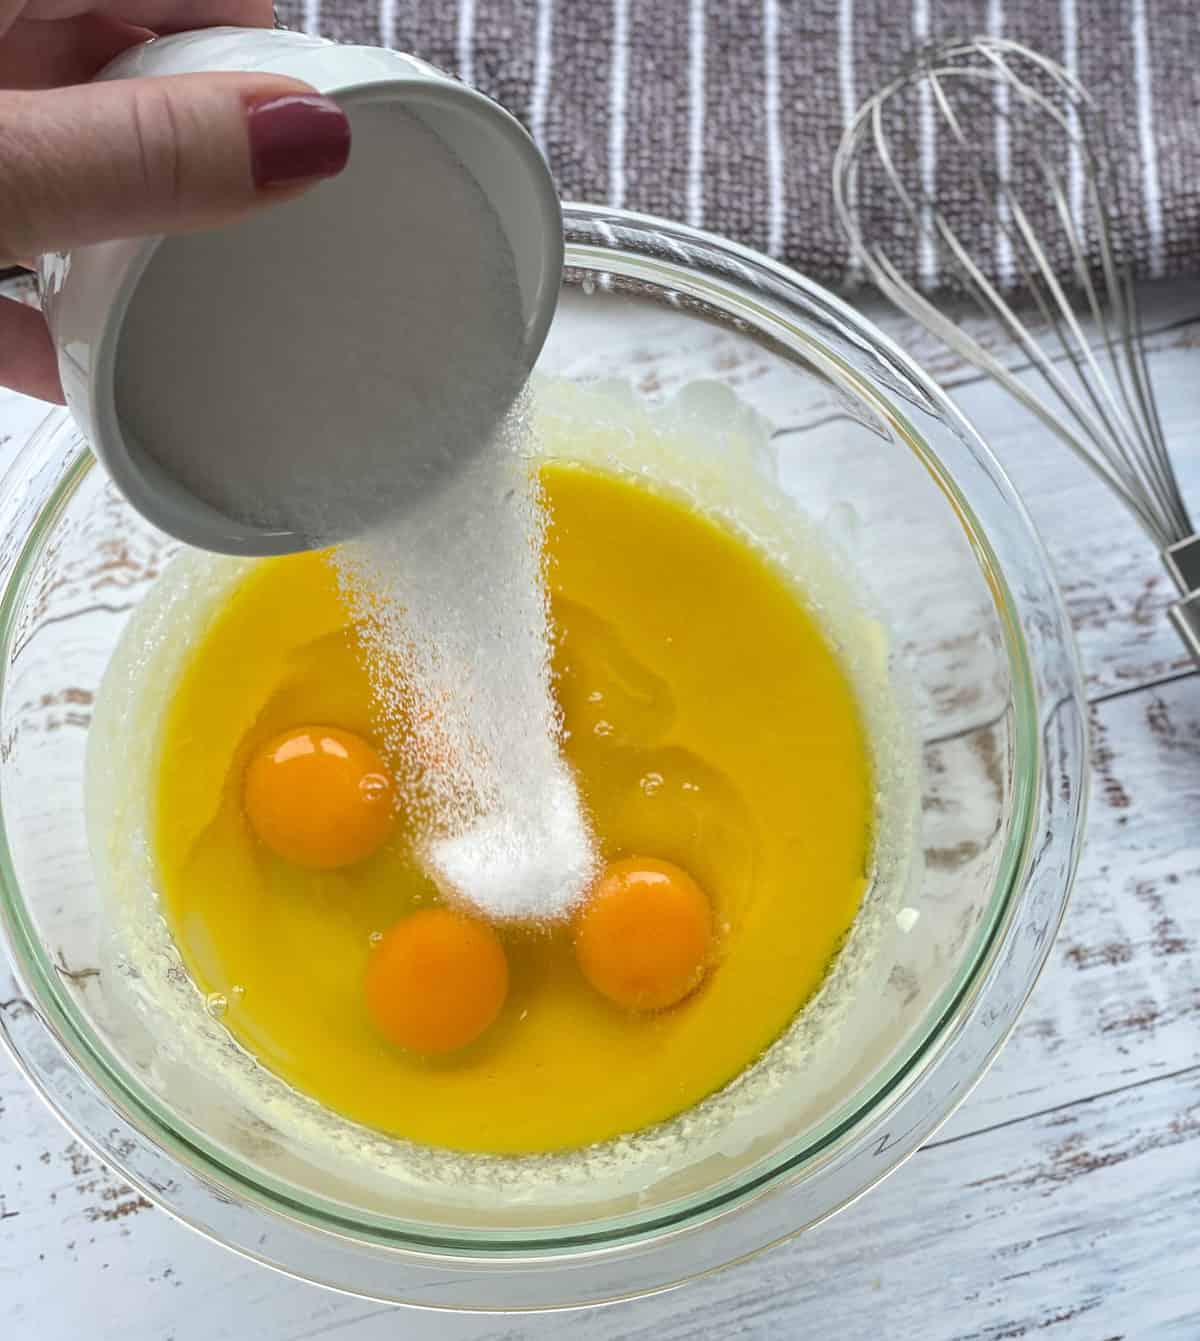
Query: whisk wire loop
1095	393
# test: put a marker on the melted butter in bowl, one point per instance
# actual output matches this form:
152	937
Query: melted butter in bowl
726	707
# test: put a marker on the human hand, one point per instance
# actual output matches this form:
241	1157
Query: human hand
84	163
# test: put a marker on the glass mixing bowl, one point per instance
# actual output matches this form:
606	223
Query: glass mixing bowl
979	646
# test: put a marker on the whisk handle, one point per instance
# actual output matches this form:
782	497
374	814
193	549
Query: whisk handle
1185	615
1183	563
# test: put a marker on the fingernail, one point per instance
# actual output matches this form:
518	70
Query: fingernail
296	138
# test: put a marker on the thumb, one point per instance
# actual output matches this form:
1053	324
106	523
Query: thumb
141	156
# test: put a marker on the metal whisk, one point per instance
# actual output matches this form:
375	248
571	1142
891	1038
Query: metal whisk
1031	143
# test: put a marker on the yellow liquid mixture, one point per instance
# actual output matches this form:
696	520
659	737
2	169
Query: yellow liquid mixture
708	723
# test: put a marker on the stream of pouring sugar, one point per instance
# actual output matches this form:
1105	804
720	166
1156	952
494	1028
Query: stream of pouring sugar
453	619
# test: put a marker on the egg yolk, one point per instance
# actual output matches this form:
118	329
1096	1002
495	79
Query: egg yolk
644	935
319	797
436	980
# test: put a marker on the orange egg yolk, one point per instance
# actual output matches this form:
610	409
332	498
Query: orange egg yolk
319	797
644	936
436	980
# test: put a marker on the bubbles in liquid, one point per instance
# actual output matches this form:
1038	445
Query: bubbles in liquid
374	938
216	1003
237	991
651	783
603	728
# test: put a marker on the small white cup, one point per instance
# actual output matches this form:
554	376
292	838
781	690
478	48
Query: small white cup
87	293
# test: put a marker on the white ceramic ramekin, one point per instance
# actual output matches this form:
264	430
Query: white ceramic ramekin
87	293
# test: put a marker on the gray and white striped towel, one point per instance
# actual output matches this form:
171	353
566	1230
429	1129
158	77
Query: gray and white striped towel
726	113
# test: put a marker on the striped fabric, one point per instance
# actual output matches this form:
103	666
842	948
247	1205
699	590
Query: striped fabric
726	113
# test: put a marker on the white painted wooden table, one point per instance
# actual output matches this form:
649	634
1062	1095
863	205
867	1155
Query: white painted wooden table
1063	1199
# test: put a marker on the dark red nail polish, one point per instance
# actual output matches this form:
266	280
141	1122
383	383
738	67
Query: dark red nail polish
295	138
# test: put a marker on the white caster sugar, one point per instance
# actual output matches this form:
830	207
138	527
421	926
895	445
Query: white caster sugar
528	857
455	625
404	401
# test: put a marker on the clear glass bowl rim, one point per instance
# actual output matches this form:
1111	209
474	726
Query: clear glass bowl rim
593	244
